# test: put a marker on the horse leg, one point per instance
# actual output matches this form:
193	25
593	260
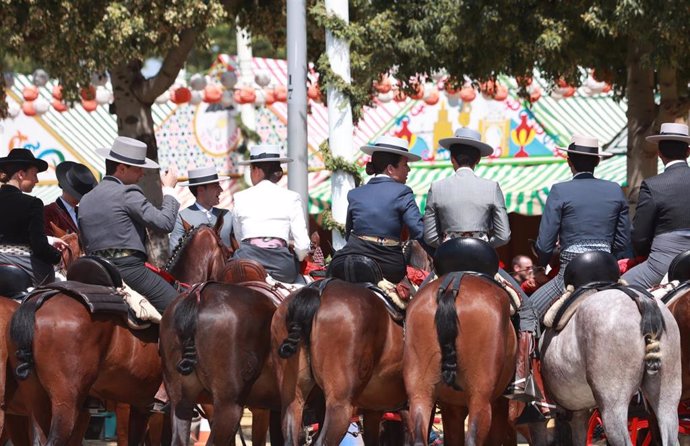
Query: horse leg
80	428
226	420
181	414
18	429
372	424
502	432
260	421
138	420
615	419
275	431
453	419
122	423
479	422
578	426
338	415
294	390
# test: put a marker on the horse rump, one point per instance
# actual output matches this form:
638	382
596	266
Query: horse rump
299	317
184	323
22	335
652	326
446	319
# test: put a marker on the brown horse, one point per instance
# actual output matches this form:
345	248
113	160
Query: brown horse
460	351
72	354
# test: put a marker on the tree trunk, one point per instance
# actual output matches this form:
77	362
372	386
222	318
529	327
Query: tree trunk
134	120
642	112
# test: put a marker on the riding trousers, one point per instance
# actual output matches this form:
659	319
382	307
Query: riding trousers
664	248
280	263
389	258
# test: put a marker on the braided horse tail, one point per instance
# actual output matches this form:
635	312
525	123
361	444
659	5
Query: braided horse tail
300	314
22	335
184	324
446	319
652	326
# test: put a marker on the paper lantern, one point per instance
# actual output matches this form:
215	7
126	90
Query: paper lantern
181	95
227	100
41	106
262	78
384	85
314	92
28	108
501	93
103	96
399	95
59	105
385	97
99	79
247	95
281	93
488	88
467	93
270	96
418	92
13	110
39	78
89	104
212	94
448	87
432	97
196	98
163	98
260	97
30	93
228	79
437	76
607	88
57	92
535	94
198	82
523	81
88	94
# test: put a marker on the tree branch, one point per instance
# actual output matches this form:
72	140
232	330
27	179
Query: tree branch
172	64
671	106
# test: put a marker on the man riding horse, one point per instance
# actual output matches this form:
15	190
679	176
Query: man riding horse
583	214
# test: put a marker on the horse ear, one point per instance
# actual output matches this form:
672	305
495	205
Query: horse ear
186	226
57	230
219	223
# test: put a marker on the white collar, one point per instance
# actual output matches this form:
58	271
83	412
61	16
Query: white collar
674	162
465	168
114	178
381	175
203	208
68	206
582	173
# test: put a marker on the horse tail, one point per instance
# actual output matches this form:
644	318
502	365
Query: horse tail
652	326
300	314
446	319
184	324
22	335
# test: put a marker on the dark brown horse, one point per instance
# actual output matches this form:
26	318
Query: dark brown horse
72	354
460	351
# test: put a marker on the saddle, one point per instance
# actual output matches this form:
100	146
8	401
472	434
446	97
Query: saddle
14	282
466	254
679	269
583	276
243	270
362	270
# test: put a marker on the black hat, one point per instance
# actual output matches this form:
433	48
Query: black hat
75	179
23	156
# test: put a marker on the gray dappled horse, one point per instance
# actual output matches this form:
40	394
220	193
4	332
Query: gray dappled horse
601	358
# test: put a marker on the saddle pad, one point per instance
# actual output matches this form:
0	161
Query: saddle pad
272	292
395	312
670	292
97	298
562	310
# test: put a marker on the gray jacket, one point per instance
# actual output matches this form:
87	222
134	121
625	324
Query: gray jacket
195	216
462	203
115	216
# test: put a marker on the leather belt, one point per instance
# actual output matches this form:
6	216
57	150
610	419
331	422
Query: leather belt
114	253
381	241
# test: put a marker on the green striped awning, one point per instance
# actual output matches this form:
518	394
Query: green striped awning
525	186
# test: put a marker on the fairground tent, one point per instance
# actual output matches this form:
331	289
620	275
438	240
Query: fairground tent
525	136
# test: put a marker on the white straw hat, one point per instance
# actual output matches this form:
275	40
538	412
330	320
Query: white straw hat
390	144
265	153
670	131
128	151
467	137
202	175
585	145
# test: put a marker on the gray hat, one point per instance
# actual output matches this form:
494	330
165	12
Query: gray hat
585	145
670	131
265	153
467	137
128	151
75	179
201	176
390	144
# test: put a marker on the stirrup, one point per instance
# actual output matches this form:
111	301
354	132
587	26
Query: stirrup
523	389
536	412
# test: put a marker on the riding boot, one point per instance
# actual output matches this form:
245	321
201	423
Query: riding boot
521	387
161	401
541	409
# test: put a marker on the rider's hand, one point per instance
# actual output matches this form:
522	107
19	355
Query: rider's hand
169	177
57	243
540	276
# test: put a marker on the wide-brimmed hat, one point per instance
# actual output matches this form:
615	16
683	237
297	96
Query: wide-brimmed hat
265	153
585	145
75	179
23	156
201	176
467	137
390	144
128	151
670	131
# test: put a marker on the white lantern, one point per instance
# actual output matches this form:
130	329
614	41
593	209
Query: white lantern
260	100
262	78
555	94
13	109
197	97
9	80
103	96
41	106
428	89
386	97
228	79
228	99
162	99
40	78
197	82
438	75
99	79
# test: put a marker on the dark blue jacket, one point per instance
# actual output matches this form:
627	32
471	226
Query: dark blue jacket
584	209
381	207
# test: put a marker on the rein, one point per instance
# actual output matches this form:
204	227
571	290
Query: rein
181	244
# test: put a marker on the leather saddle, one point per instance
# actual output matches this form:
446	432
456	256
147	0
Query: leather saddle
679	269
96	271
243	270
466	254
14	282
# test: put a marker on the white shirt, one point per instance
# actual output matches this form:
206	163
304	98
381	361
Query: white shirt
208	212
71	211
674	162
268	210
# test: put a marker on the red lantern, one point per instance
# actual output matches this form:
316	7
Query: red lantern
433	97
418	91
383	85
501	93
59	106
270	96
568	91
535	95
28	108
467	93
314	92
524	81
488	88
57	92
181	95
88	94
30	93
606	89
247	95
399	95
281	93
212	94
89	106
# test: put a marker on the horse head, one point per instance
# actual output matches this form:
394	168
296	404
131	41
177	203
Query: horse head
200	255
74	249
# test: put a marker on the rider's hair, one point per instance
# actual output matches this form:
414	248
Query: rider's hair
111	166
674	150
8	170
464	155
381	160
583	163
194	190
272	170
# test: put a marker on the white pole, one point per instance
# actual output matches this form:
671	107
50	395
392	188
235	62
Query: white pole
244	55
339	119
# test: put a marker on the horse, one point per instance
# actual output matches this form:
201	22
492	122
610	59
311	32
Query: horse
460	351
72	354
617	341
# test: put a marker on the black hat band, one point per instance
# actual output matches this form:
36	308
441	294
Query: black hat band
263	156
586	149
389	146
206	179
674	134
127	159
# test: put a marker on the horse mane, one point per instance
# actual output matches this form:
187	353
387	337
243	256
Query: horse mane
181	245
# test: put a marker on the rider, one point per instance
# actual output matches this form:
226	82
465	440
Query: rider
266	216
75	180
378	210
23	242
114	216
661	228
204	184
583	214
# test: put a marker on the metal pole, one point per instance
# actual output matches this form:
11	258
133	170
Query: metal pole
297	98
339	119
244	56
